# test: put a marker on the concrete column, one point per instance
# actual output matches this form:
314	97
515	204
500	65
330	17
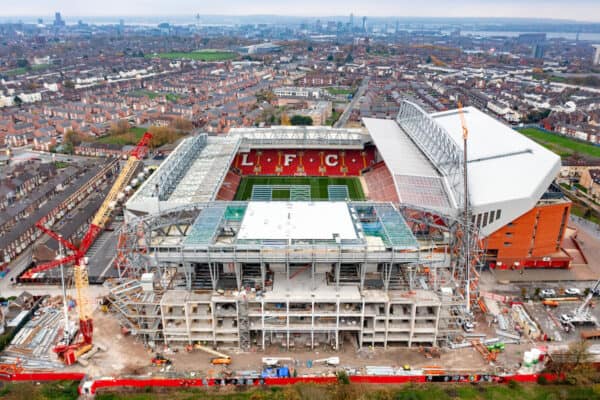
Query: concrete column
188	322
413	313
212	268
238	275
262	318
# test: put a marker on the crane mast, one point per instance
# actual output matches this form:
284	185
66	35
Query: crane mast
467	210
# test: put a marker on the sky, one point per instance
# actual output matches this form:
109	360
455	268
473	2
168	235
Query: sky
581	10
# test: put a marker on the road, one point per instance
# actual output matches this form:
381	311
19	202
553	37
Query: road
359	93
27	152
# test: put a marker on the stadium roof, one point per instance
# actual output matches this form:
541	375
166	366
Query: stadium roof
304	136
503	164
417	180
507	172
192	173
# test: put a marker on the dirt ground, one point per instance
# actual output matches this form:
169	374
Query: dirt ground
127	355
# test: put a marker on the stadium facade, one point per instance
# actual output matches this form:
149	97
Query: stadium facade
199	266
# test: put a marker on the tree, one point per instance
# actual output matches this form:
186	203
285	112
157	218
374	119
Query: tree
285	120
342	377
22	63
18	101
69	84
182	124
72	138
119	127
265	95
301	120
162	135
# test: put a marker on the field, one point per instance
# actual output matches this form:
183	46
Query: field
201	55
20	71
67	391
132	137
561	145
339	90
318	186
152	95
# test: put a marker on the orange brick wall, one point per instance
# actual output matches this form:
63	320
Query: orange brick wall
522	239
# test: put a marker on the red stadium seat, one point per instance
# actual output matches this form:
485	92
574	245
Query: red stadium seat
229	186
310	162
380	183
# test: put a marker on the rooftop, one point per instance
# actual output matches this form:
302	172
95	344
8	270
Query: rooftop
297	220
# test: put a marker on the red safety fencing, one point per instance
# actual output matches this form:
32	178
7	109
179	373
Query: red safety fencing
45	376
387	379
303	379
91	386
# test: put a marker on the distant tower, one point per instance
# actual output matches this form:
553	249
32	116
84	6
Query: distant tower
197	20
364	24
538	51
397	26
596	54
58	21
351	22
40	21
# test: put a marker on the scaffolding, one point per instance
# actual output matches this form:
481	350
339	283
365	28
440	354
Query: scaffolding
400	250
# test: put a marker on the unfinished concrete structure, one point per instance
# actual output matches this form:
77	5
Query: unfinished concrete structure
221	278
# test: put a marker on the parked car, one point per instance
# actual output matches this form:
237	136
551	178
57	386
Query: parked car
565	318
573	292
547	293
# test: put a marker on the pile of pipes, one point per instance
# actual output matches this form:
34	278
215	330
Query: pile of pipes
33	343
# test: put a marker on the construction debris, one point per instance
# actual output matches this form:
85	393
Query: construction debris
33	343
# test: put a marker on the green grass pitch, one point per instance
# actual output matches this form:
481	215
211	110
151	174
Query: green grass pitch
318	186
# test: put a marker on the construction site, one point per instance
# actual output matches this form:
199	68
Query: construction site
314	280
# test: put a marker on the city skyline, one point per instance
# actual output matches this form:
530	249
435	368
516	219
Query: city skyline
579	10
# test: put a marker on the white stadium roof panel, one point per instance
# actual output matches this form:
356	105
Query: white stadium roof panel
503	164
296	221
417	181
401	155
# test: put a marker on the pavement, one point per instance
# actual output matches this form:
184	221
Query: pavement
359	93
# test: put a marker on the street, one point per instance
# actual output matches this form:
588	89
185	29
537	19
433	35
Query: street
359	93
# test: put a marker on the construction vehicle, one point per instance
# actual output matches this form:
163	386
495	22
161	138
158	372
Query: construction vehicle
487	355
70	348
159	360
550	303
581	315
274	361
220	359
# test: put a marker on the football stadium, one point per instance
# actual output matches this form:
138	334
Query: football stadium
303	236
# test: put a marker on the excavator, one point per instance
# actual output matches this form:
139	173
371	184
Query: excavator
69	350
